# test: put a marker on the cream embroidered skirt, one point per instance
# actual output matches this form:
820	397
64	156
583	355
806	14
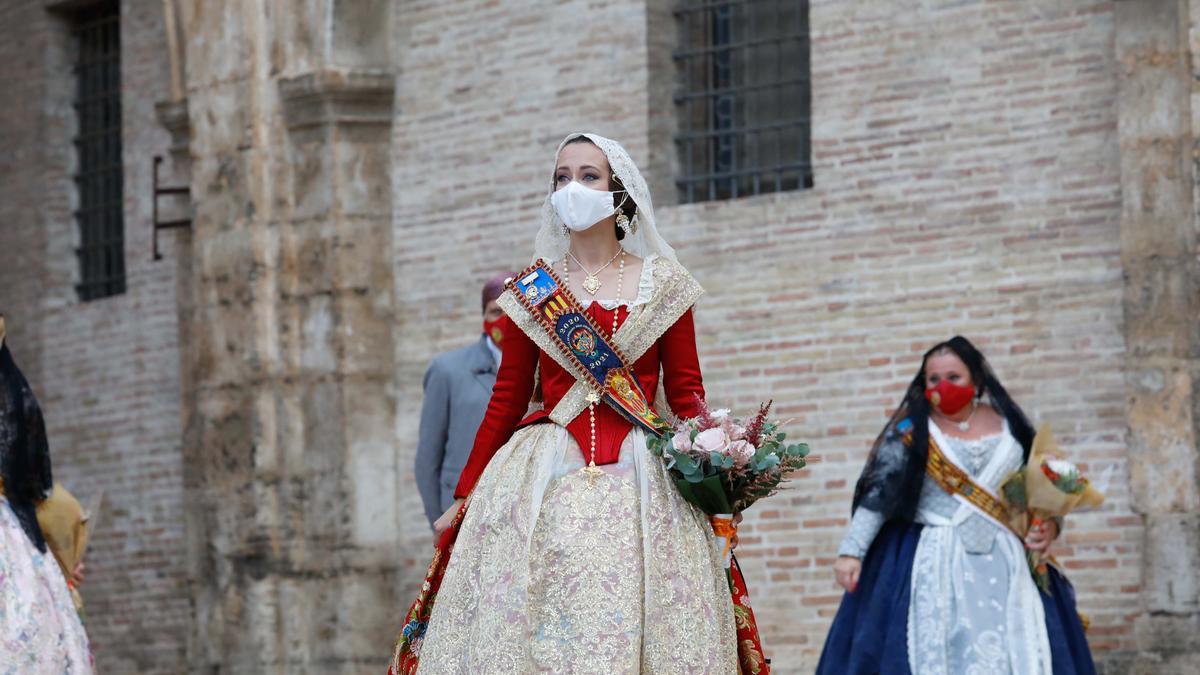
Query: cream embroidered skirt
550	574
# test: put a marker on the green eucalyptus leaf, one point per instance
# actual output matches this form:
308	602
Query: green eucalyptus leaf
685	463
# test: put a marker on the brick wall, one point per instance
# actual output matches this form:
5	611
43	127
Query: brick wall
966	182
106	371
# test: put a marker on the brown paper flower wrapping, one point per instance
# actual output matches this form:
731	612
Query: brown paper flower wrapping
1044	497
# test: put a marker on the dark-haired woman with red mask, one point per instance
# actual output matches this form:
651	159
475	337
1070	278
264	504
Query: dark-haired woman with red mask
935	581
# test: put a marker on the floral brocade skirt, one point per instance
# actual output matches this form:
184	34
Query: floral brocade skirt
552	572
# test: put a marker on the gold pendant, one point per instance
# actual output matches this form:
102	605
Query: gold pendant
591	284
592	472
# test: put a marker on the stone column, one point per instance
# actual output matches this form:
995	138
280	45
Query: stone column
1162	323
289	432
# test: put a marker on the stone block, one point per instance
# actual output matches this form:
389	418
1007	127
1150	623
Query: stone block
362	172
313	186
1157	175
302	41
1162	438
364	332
366	611
362	31
1168	644
1162	301
307	258
1172	551
216	43
372	458
361	254
319	320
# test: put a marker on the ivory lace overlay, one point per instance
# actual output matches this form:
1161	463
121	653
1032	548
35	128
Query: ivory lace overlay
548	575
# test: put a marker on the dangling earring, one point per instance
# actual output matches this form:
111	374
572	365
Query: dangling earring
633	224
623	222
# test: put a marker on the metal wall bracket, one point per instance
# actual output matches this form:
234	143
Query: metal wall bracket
160	191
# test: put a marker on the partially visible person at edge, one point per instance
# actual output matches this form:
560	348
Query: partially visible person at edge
458	385
933	583
576	552
40	630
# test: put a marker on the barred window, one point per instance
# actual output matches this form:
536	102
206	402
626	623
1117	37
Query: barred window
100	179
745	100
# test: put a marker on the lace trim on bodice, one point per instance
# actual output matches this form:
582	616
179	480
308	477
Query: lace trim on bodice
645	286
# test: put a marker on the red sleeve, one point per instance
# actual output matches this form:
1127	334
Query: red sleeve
509	402
682	381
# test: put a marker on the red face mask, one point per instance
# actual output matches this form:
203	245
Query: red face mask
950	397
492	330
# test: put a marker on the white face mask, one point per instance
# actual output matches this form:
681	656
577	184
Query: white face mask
581	207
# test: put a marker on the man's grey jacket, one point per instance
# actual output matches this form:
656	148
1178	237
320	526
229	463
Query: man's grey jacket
458	386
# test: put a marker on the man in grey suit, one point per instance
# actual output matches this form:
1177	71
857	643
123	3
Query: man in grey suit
458	386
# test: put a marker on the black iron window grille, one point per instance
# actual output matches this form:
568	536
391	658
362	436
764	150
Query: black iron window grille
100	179
744	108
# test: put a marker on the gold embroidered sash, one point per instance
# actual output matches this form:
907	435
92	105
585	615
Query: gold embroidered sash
955	481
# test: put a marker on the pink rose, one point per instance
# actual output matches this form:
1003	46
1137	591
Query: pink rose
682	441
741	452
736	432
711	440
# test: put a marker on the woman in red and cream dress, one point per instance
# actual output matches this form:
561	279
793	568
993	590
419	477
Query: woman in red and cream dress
576	552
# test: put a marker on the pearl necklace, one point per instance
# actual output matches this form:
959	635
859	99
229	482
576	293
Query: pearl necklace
593	398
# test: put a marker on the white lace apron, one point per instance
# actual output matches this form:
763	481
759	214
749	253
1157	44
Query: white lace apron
974	607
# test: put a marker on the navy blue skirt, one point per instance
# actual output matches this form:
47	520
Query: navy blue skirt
870	632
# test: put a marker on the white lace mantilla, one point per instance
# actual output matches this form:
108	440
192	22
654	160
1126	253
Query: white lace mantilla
975	613
552	240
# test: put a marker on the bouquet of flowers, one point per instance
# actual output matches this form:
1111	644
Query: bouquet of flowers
1046	487
723	464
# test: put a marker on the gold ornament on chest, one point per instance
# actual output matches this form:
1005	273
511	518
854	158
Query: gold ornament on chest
591	280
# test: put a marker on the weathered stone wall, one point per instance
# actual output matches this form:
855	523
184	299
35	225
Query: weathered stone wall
106	371
289	438
1162	322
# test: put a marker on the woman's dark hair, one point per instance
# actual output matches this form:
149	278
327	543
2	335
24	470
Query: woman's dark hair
903	498
629	208
24	453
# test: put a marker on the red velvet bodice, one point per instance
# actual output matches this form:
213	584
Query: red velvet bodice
674	353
